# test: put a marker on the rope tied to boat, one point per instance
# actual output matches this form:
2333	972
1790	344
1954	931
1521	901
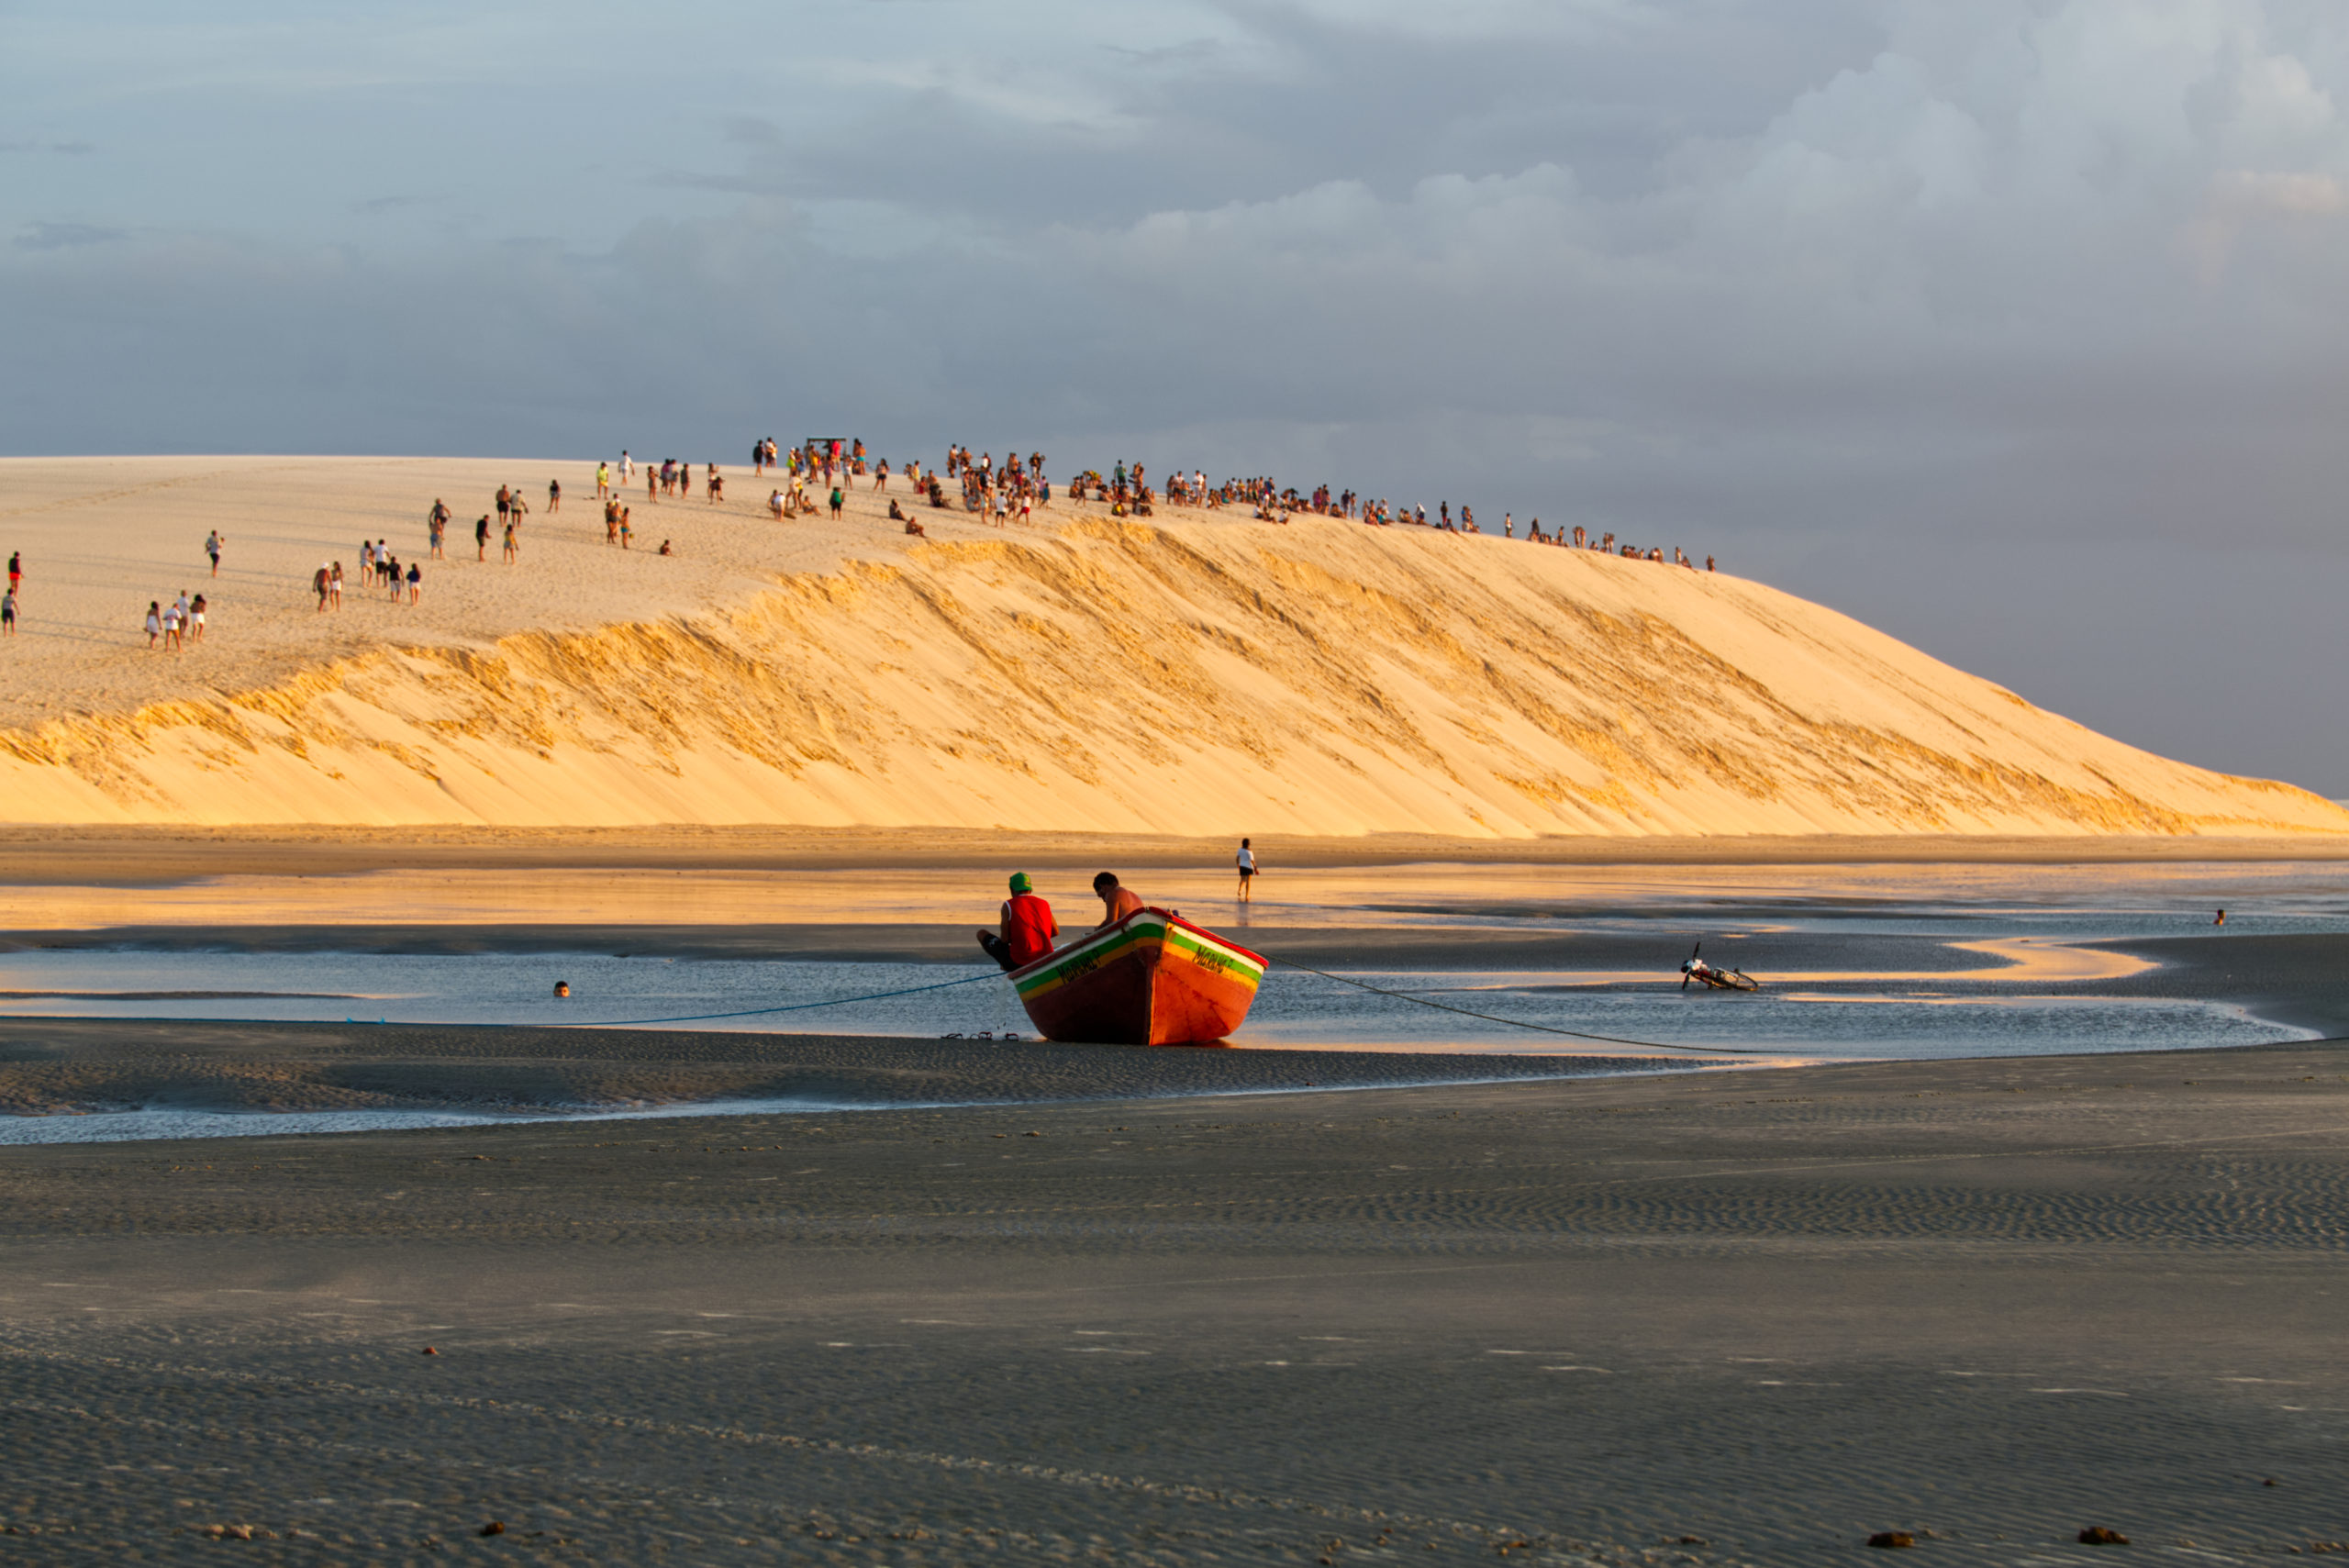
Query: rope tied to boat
1516	1023
1288	964
788	1006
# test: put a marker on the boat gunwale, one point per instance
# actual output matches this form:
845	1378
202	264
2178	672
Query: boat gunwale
1037	971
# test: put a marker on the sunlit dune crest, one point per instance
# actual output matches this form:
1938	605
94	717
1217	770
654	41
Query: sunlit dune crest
1190	673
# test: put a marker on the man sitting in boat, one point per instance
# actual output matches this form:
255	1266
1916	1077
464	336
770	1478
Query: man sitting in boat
1119	902
1028	926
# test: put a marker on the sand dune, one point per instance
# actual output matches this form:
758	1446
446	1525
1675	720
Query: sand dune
1192	675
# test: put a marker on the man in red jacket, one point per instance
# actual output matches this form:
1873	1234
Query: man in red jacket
1028	926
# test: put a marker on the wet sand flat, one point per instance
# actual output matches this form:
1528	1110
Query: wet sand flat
1715	1318
142	855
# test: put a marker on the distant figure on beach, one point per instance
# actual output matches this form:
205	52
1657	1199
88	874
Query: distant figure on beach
195	618
1028	926
437	527
664	547
212	542
1246	861
481	538
8	614
415	580
334	585
603	481
513	552
839	500
2222	919
1115	901
554	497
15	571
319	585
154	621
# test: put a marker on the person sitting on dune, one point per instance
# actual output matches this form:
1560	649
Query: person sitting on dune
1028	928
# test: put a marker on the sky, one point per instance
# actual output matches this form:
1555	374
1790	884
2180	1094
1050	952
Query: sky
2015	329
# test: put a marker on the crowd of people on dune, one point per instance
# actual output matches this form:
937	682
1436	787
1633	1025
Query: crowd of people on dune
1268	501
816	477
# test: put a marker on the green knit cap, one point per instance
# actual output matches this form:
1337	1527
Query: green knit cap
1019	883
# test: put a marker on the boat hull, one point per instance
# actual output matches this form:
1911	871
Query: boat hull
1152	979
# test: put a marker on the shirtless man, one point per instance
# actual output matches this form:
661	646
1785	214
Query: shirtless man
1026	927
1118	902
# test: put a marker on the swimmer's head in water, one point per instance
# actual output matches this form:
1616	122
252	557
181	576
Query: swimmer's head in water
1019	883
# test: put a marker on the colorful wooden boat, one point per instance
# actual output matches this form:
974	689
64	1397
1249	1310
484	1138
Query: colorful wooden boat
1152	979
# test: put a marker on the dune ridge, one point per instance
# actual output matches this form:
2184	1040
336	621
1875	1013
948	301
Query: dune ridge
1188	676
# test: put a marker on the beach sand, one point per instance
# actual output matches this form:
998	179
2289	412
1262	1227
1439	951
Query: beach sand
1711	1319
1197	674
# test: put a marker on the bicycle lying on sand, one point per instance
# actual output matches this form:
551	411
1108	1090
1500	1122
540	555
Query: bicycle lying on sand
1696	968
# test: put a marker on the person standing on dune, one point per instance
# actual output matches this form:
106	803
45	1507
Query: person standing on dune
15	571
1027	926
212	543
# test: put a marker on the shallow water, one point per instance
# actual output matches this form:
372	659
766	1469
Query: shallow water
1860	993
152	1122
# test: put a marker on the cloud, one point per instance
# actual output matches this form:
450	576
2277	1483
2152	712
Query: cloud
750	130
63	236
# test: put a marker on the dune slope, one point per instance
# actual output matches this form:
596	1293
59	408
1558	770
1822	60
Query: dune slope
1182	676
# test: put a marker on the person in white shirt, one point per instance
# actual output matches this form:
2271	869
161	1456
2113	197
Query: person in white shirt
1246	861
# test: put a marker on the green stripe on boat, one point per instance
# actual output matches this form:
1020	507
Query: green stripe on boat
1095	951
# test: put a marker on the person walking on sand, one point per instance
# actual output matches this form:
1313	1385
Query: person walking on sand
415	580
15	569
8	614
481	538
603	481
839	501
318	586
1246	861
1115	901
195	618
154	621
437	526
554	497
513	552
1026	926
334	585
212	542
